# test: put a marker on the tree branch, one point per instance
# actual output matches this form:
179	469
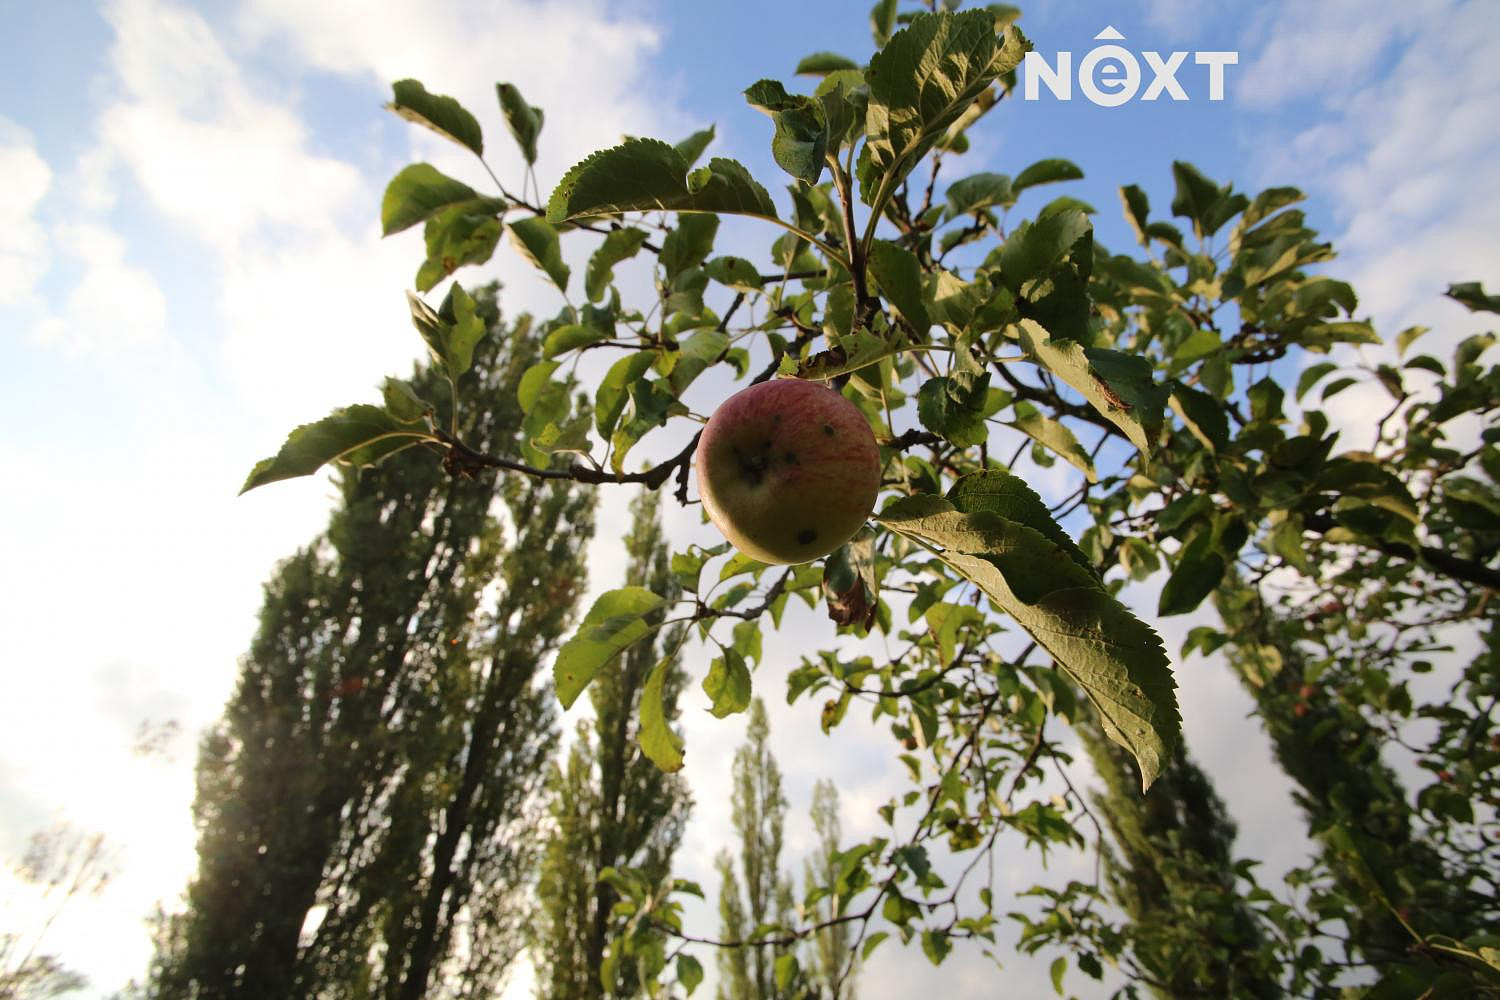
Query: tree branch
1453	566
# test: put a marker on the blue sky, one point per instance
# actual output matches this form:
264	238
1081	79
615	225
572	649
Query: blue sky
190	264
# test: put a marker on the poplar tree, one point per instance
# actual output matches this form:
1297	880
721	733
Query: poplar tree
609	806
748	972
832	971
1170	867
366	804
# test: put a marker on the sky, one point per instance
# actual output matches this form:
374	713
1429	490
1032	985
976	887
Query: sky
191	264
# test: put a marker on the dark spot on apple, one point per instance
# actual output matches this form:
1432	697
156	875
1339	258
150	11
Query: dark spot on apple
790	458
828	429
753	467
806	536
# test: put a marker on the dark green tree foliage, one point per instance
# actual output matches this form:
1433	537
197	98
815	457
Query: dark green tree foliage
610	807
1379	871
1170	867
832	970
377	766
749	972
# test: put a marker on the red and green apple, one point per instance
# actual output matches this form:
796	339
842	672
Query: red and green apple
788	470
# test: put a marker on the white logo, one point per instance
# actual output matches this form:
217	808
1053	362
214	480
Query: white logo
1110	75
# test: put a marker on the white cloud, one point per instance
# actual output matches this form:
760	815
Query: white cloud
1399	144
23	243
583	63
1316	51
1180	20
114	307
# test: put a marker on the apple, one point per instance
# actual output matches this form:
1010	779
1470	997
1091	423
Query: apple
788	470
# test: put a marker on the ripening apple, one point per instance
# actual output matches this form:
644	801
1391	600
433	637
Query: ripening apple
788	470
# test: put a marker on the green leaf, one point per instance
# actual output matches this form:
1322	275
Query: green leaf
882	21
538	243
787	968
443	115
1337	386
1203	415
1285	540
955	302
698	352
1059	969
659	742
1201	200
1137	210
433	330
451	344
688	244
1046	172
1472	295
1199	569
845	98
523	120
1117	385
693	146
1033	249
402	401
955	410
1353	478
689	972
1091	636
417	193
571	337
466	330
546	429
1349	332
1008	495
654	403
1312	376
614	389
924	79
935	945
734	272
1056	437
899	274
823	63
1407	337
460	234
1195	347
728	684
620	245
360	435
977	192
1046	264
872	943
1427	363
533	381
644	175
613	624
800	143
1067	203
1266	203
